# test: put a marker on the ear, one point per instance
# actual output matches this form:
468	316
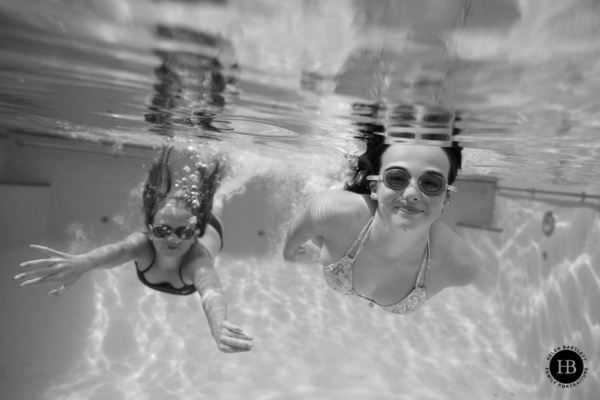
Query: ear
449	198
373	186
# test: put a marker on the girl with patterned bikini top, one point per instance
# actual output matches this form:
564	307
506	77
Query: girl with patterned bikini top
176	254
339	277
401	190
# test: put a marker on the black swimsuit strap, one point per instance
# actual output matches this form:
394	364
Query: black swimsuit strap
149	266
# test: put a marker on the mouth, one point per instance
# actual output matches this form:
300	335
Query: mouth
409	210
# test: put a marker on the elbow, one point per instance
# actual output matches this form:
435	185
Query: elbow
466	275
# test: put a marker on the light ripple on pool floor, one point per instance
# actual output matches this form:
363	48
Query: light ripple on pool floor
310	342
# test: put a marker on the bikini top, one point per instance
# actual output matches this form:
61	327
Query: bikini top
339	277
167	287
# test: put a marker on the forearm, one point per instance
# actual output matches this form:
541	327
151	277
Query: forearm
293	240
105	257
115	254
213	300
296	236
307	225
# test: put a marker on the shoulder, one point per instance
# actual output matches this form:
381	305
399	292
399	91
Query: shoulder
198	261
137	237
458	261
211	241
139	246
339	215
335	204
137	242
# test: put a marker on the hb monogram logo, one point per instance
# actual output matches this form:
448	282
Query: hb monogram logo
566	367
569	367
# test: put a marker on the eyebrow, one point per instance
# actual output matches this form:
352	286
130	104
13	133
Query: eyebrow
171	227
427	171
433	171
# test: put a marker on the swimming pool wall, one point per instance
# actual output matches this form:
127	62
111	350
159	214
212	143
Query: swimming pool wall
548	285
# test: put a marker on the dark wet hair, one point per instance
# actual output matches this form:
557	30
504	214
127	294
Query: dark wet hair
199	202
369	163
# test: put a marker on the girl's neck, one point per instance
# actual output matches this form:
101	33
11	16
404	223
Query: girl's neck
396	242
169	263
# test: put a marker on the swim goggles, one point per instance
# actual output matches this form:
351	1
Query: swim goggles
398	178
162	231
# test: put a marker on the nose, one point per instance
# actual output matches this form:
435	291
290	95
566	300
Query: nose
412	191
173	238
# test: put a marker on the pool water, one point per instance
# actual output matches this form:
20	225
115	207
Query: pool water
89	89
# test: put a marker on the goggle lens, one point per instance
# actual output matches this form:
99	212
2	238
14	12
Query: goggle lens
396	178
162	231
432	184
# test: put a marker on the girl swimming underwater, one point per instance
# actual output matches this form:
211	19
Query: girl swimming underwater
176	255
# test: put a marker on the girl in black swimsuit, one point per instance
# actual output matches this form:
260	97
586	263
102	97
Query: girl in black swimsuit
176	255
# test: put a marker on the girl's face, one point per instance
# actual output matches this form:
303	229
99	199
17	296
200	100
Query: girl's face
173	216
410	207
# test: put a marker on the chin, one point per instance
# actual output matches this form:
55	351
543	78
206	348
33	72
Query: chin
167	252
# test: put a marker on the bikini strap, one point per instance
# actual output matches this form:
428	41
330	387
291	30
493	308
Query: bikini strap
181	276
362	238
181	267
425	263
149	266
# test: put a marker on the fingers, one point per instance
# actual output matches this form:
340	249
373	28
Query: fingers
231	350
31	282
42	280
38	263
233	339
49	251
59	291
37	274
237	333
230	327
234	331
45	279
233	345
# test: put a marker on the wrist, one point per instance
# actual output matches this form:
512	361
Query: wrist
87	264
215	330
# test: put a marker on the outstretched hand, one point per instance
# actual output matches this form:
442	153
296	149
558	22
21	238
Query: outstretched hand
301	254
231	339
62	268
297	254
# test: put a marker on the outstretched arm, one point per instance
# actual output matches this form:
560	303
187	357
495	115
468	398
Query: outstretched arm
229	337
65	269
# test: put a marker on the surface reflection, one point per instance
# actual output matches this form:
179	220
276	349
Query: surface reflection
194	80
